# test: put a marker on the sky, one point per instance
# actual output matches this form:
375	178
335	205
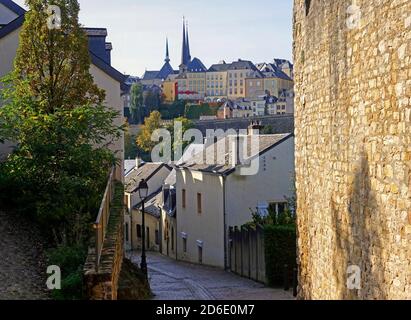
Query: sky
256	30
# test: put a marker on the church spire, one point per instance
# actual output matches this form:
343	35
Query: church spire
167	59
188	44
184	49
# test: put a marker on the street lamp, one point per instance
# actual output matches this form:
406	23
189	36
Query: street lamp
143	192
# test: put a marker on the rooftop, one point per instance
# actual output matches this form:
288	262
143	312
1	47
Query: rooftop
225	166
146	171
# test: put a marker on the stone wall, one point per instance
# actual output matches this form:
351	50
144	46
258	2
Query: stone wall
103	284
353	147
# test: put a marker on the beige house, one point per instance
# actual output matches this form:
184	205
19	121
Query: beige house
254	87
105	76
154	174
213	197
238	72
216	82
152	211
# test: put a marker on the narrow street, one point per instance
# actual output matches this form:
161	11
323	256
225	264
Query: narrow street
175	280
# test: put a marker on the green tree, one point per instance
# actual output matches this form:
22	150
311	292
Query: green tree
52	65
267	130
152	100
136	103
177	137
53	112
152	123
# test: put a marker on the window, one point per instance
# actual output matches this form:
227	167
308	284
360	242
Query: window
183	198
157	237
184	245
199	205
126	231
200	254
139	231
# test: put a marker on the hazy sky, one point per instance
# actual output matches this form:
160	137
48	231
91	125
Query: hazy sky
257	30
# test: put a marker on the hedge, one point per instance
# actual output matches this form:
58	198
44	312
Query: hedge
195	111
280	249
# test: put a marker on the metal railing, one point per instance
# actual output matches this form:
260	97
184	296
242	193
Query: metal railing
100	226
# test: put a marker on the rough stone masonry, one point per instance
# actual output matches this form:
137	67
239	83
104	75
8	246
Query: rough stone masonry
353	148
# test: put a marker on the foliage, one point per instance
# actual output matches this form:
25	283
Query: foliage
52	65
71	260
53	112
152	123
267	130
177	136
151	100
194	111
130	146
172	111
136	103
280	250
282	218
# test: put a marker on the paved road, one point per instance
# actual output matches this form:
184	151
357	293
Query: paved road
21	261
174	280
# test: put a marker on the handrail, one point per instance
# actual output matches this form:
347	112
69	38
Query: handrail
100	225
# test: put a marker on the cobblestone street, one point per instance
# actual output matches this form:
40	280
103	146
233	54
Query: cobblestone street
174	280
22	270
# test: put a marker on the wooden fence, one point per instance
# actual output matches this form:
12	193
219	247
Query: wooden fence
101	222
246	252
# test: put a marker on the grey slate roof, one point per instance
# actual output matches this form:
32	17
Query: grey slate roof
242	64
145	171
150	75
219	67
198	162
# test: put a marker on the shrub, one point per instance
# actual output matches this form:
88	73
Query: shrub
194	111
280	249
71	260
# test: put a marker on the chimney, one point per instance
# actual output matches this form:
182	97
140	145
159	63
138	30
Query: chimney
237	149
138	162
109	47
255	128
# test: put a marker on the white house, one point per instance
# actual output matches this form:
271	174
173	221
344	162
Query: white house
211	197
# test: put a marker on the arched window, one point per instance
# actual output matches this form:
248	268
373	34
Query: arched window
307	7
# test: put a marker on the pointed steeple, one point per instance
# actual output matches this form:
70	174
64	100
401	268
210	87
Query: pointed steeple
188	45
184	49
167	59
